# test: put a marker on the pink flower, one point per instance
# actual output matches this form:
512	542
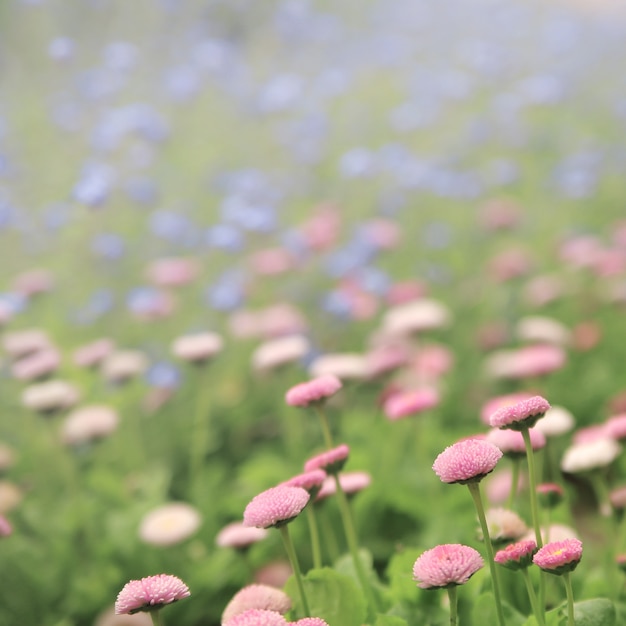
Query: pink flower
198	348
172	272
616	427
517	555
150	593
446	565
311	481
313	391
236	535
330	461
520	416
408	403
257	617
309	621
558	557
550	494
257	597
511	442
37	365
493	404
467	461
94	353
5	527
275	506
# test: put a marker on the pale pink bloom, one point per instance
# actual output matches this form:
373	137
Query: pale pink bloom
257	597
586	335
609	262
354	482
172	272
236	535
49	397
313	391
500	214
385	359
88	423
407	403
156	398
492	336
275	574
524	414
278	352
498	486
10	496
540	329
345	366
466	461
432	361
257	617
322	230
271	262
446	565
504	525
383	233
557	421
510	264
33	282
549	494
329	488
150	593
559	556
19	343
616	427
511	442
362	305
554	532
416	317
526	362
309	621
542	290
583	457
245	324
7	457
169	524
198	348
122	365
94	353
580	251
589	434
109	618
330	461
404	292
275	506
282	319
5	527
494	404
516	555
311	481
36	365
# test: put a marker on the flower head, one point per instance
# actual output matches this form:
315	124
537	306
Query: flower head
257	617
521	415
550	494
511	442
407	403
467	461
275	506
238	536
311	481
504	525
558	557
517	555
330	461
257	597
150	593
88	423
446	565
313	391
198	348
169	524
557	421
583	457
309	621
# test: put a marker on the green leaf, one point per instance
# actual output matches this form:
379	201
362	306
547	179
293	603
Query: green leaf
484	612
400	574
390	620
332	596
596	612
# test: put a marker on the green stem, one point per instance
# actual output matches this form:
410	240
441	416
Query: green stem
570	599
537	610
293	558
475	491
514	482
200	429
452	596
348	525
156	617
602	493
315	537
328	439
532	486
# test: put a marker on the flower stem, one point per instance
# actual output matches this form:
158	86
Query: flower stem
453	605
348	525
537	610
156	618
328	439
200	429
293	558
570	599
514	483
533	487
315	537
475	491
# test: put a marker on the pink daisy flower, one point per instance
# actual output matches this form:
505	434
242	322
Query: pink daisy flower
236	535
313	391
150	593
408	403
446	565
521	415
257	597
275	507
558	557
498	402
330	461
616	427
257	617
467	461
511	442
311	481
309	621
517	555
550	494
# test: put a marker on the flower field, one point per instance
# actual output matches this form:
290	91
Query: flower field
282	282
